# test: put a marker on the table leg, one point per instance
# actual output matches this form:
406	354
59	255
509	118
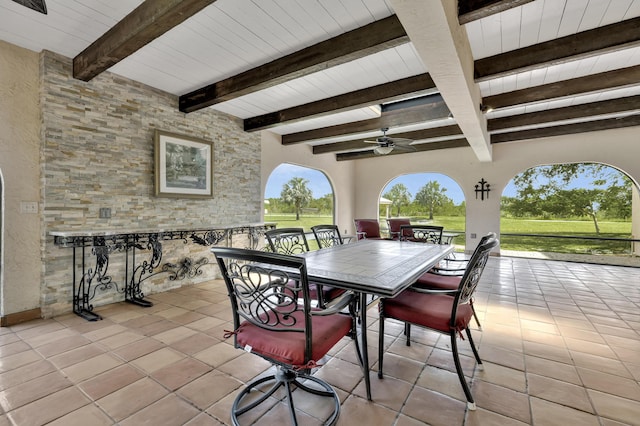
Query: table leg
363	342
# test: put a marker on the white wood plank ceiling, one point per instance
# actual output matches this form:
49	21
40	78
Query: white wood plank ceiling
232	36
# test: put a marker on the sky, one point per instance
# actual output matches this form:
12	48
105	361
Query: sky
319	184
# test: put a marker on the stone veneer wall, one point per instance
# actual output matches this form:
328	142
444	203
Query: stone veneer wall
98	151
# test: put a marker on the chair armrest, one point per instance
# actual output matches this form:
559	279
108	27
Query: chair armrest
447	271
432	290
337	305
361	235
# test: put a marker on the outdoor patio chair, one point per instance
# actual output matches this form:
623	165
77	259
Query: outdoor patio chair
444	311
368	229
394	225
293	241
327	235
276	322
448	277
421	233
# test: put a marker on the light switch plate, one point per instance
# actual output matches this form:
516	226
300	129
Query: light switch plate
29	207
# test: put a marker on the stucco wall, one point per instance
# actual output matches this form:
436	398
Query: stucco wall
20	173
340	174
617	148
358	184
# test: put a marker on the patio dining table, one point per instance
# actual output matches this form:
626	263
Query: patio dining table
378	268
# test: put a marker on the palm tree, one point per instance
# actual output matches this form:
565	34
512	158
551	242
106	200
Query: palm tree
296	192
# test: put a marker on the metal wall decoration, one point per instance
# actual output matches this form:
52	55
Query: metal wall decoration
482	188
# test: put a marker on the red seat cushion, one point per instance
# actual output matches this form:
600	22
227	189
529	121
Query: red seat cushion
437	281
328	293
287	347
428	310
370	227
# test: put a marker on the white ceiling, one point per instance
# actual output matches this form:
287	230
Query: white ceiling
232	36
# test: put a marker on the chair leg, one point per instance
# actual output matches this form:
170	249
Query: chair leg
380	345
475	350
407	332
471	405
286	378
475	316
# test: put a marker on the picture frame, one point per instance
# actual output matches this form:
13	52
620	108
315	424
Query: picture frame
183	166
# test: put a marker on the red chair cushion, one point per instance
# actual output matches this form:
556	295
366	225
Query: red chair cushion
436	281
287	347
428	310
328	293
370	227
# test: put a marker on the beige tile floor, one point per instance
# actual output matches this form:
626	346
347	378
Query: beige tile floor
560	342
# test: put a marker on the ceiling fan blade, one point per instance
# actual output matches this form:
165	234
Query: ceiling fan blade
37	5
401	141
370	141
405	148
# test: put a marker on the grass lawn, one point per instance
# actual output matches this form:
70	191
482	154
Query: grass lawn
572	228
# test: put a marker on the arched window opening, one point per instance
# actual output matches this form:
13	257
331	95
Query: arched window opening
425	198
573	211
297	196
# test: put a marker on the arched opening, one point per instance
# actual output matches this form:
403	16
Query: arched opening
425	198
298	196
570	211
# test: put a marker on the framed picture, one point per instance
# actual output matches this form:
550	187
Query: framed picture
183	166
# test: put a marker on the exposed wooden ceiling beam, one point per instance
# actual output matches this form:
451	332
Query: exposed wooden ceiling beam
434	110
590	83
375	37
567	129
611	106
387	92
472	10
431	146
444	48
147	22
432	133
613	37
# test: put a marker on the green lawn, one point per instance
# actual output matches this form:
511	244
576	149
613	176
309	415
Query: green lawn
573	228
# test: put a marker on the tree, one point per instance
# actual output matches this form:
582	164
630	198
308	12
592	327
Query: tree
431	195
542	191
616	200
399	196
295	192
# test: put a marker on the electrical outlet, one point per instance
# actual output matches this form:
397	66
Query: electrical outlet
105	212
473	236
29	207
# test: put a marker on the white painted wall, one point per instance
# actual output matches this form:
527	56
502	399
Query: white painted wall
358	184
617	148
21	269
340	174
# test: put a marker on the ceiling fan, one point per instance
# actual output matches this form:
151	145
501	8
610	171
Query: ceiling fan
387	144
37	5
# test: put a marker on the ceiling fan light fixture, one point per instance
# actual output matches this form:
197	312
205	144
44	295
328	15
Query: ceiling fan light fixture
383	150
